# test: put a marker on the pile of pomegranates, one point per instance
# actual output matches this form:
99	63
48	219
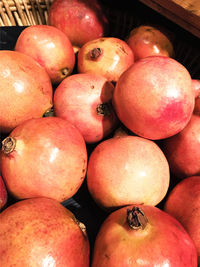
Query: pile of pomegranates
100	146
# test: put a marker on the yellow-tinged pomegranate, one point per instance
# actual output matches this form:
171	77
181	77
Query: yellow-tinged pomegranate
107	56
125	170
25	89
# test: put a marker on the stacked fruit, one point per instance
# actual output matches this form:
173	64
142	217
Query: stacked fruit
78	106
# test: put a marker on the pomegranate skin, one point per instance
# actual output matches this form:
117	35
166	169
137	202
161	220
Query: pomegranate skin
154	97
147	40
49	156
196	87
81	21
183	150
197	106
108	56
84	100
163	241
125	170
25	90
3	194
183	203
41	232
50	47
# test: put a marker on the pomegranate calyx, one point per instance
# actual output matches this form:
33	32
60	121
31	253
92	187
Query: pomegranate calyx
49	113
82	227
8	145
104	109
95	53
136	218
65	72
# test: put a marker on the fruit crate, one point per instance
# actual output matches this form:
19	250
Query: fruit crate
123	16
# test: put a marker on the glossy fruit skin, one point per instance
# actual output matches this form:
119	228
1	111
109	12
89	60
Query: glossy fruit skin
125	170
41	232
81	21
25	90
77	100
163	242
183	203
183	150
147	40
115	57
154	97
50	47
50	158
3	194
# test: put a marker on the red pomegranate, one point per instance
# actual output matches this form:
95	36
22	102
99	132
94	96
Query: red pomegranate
81	21
147	40
183	203
85	101
3	194
25	90
125	170
142	235
50	47
48	154
41	232
154	97
183	150
107	56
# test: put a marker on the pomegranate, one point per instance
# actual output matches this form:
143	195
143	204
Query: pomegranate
154	97
197	106
183	150
85	101
143	235
147	40
48	154
127	170
183	202
196	87
3	194
25	90
108	56
41	232
81	21
50	47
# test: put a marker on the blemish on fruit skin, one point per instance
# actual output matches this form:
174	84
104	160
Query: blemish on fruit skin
123	49
107	256
101	39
